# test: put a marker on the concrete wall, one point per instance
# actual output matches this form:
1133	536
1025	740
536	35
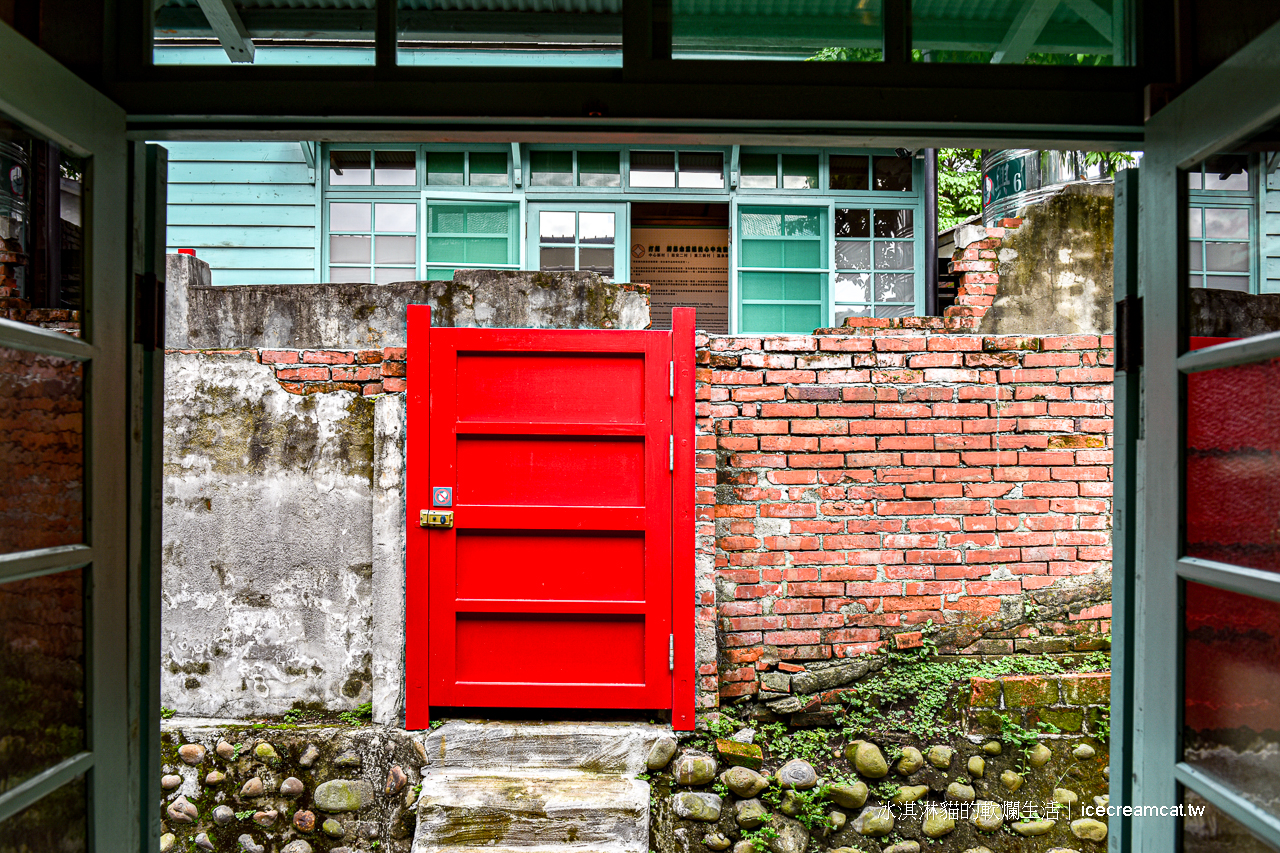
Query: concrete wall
283	534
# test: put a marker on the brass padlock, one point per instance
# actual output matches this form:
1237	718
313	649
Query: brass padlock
436	518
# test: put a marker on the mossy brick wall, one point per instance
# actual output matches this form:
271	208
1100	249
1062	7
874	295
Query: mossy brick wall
856	484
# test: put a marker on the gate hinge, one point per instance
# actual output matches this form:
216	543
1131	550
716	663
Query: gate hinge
671	453
671	653
1129	333
671	385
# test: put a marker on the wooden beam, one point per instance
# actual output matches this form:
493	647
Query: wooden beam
1093	15
225	22
1023	32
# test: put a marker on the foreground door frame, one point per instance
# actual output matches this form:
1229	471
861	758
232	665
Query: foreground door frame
1228	105
51	101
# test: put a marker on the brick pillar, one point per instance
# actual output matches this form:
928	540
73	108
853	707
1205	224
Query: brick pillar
976	259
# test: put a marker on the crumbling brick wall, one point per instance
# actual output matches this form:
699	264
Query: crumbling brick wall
857	484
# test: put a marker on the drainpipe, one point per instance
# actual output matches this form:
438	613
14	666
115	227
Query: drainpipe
931	232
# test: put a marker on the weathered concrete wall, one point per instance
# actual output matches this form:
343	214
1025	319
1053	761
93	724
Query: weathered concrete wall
369	316
1056	271
267	575
284	478
1217	313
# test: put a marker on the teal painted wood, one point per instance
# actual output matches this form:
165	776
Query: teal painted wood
246	208
1269	234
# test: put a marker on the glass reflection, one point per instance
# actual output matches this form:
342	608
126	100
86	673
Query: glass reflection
556	260
349	168
394	168
557	226
42	714
395	217
347	216
56	823
595	227
1207	829
852	222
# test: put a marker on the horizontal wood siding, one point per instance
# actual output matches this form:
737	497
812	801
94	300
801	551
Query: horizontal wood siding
246	208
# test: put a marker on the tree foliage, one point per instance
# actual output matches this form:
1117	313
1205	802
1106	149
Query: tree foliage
959	185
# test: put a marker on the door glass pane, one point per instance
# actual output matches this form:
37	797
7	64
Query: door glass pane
551	168
390	275
1231	700
394	250
596	260
349	169
395	168
42	194
444	168
1233	465
556	259
599	169
56	823
350	275
595	227
1207	829
557	226
349	249
42	710
41	452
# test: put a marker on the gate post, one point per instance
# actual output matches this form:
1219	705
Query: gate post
417	488
683	587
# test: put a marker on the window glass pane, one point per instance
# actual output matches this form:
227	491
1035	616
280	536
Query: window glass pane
844	312
762	253
1238	283
1195	259
486	250
488	169
345	249
895	287
1231	684
891	173
849	172
348	216
599	168
893	223
979	31
41	453
595	227
56	823
447	250
390	275
1208	829
491	220
847	32
653	169
1226	222
1195	180
596	260
350	275
852	222
1195	219
800	171
853	287
758	171
395	250
803	223
703	169
349	168
439	274
781	318
395	168
1226	257
802	286
395	217
894	255
42	713
895	310
1227	172
556	259
1233	464
551	168
444	168
803	254
853	256
557	226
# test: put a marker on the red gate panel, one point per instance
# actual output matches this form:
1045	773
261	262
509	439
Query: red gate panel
553	587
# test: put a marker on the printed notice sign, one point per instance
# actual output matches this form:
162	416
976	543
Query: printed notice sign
684	267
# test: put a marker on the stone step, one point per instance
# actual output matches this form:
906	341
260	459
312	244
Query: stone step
532	810
617	748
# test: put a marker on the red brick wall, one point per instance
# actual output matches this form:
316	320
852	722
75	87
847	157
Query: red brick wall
853	486
310	371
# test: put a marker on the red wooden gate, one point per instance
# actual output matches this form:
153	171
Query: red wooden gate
559	572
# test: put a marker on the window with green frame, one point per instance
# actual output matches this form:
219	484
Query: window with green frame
461	235
875	263
372	241
555	168
483	169
759	171
782	269
1221	224
365	167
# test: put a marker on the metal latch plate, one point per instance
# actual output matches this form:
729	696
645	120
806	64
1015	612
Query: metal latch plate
436	518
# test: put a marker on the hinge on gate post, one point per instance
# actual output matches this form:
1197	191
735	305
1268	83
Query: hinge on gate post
671	653
671	453
1129	333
